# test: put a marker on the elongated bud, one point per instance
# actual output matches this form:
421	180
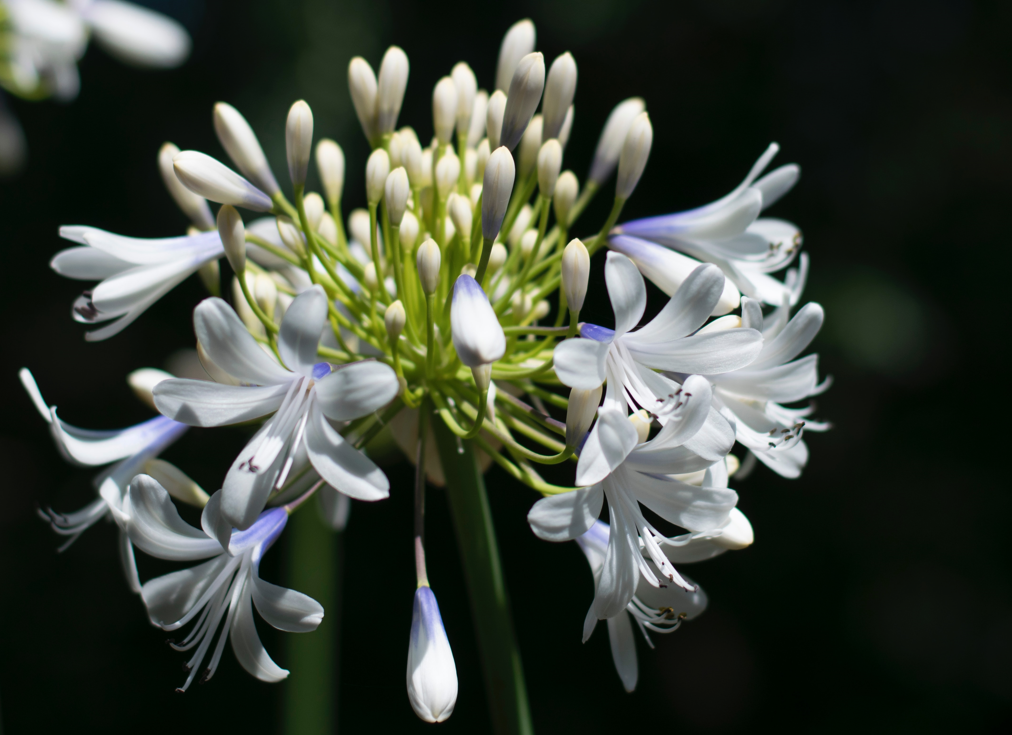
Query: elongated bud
409	231
469	269
541	310
426	177
447	173
213	180
479	110
193	206
291	236
266	293
481	159
444	109
567	126
560	89
377	168
634	157
397	191
530	144
523	98
460	212
497	258
497	186
395	148
299	141
482	380
609	146
364	93
493	118
359	226
393	80
432	674
242	146
475	194
521	304
233	237
315	208
575	273
144	380
369	277
467	88
330	163
641	420
328	228
470	165
428	261
520	225
394	319
737	534
516	44
580	414
567	189
176	482
477	334
549	165
411	159
527	241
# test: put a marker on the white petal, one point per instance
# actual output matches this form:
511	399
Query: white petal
99	448
121	292
690	603
87	264
626	290
701	354
200	403
794	338
138	36
566	516
695	397
580	363
609	443
715	439
246	645
357	390
343	467
688	506
752	315
300	331
794	381
128	562
249	481
688	309
285	609
143	250
619	573
231	347
777	183
623	649
156	528
169	597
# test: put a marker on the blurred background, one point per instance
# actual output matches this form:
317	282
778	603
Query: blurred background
877	594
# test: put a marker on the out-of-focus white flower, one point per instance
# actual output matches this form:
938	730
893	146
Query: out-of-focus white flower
432	674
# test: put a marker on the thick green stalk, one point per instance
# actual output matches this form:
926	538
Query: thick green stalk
472	518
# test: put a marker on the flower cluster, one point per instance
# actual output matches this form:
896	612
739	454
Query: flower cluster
450	306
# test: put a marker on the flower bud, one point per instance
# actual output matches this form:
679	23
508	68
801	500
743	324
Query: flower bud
394	319
475	195
541	310
516	44
369	277
493	118
635	152
408	133
460	212
364	94
521	306
497	186
469	269
737	534
467	89
266	294
567	126
580	414
567	189
359	226
444	109
530	144
470	165
609	146
409	231
241	144
479	112
523	98
193	206
497	258
330	163
144	380
481	159
393	80
176	482
560	89
299	141
641	420
315	208
520	225
449	230
527	241
428	261
397	191
432	674
377	168
447	173
411	159
233	237
327	229
395	147
575	273
549	164
477	334
291	236
212	180
482	375
425	178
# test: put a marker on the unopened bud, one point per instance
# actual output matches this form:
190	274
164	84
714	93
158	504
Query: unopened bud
460	212
241	144
482	375
634	155
516	44
580	414
432	674
315	208
475	195
266	294
567	126
497	258
143	382
609	146
477	334
641	420
369	277
393	80
213	180
479	111
520	225
493	118
447	173
530	144
291	236
394	319
449	230
523	98
521	305
497	187
541	310
425	177
527	242
193	206
567	189
481	159
549	165
444	109
364	93
397	191
327	229
428	261
411	159
377	168
359	225
737	534
559	91
176	482
299	141
575	273
467	88
233	237
470	165
409	231
330	163
395	147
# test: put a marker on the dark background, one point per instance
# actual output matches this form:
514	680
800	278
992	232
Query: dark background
876	597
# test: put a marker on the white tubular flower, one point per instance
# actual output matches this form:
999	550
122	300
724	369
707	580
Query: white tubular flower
609	146
444	109
393	80
303	399
364	95
575	273
396	191
428	261
635	152
241	144
530	146
516	44
522	99
299	141
193	206
134	272
377	169
127	450
330	164
213	180
549	166
567	126
627	471
478	118
467	89
567	189
493	118
411	158
497	187
560	88
447	173
627	359
729	233
658	610
136	35
394	320
477	334
432	674
221	591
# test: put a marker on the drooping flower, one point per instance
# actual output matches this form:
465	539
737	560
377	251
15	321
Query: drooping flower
219	592
303	398
432	674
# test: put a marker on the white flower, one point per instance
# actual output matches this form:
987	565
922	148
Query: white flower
48	38
729	233
128	448
477	334
303	398
136	35
224	588
432	674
